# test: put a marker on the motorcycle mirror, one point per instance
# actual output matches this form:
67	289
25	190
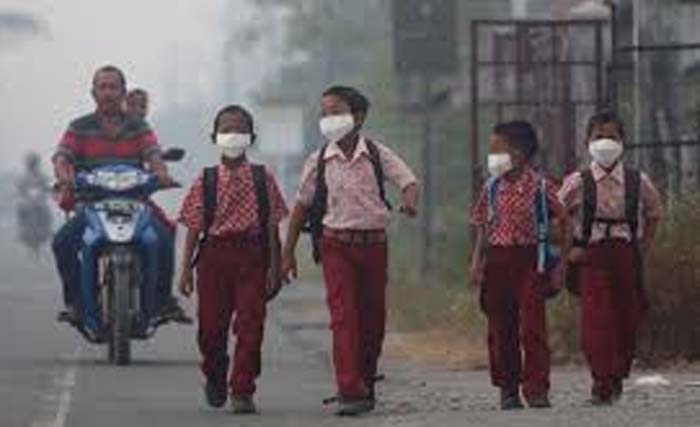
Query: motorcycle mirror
174	154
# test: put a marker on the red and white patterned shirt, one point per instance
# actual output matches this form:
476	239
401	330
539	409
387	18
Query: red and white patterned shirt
236	202
514	223
610	196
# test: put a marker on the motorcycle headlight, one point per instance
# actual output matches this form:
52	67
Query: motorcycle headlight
118	181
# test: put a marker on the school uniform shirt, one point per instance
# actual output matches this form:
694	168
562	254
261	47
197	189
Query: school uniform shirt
237	205
354	202
610	198
514	223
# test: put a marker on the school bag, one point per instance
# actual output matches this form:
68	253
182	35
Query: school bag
209	193
548	254
588	219
313	223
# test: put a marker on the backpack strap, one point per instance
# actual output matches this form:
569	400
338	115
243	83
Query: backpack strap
492	186
589	206
633	182
313	223
263	198
375	158
542	222
210	179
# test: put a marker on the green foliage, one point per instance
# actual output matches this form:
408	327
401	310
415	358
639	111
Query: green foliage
673	274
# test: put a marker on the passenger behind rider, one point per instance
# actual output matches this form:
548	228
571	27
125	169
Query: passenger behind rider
137	108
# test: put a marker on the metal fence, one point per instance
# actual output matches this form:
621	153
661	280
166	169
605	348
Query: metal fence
549	72
658	95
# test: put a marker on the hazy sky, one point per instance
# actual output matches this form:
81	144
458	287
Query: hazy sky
171	47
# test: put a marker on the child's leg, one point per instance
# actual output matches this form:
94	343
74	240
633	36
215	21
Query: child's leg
249	325
371	300
502	311
214	315
341	277
628	307
598	321
534	334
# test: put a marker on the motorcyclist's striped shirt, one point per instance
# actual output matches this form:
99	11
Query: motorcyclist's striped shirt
86	144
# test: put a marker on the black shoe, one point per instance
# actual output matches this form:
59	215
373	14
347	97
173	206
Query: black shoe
510	399
243	405
69	315
539	402
371	389
354	407
216	393
618	388
92	336
172	312
600	400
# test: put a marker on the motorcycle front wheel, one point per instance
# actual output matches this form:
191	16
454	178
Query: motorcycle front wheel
120	263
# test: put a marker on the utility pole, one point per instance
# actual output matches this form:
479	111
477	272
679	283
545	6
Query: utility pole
427	161
425	47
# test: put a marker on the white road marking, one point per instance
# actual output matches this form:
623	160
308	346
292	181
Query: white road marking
61	395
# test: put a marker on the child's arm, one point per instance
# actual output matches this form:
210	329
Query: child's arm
274	282
186	285
296	222
565	228
478	219
409	200
476	267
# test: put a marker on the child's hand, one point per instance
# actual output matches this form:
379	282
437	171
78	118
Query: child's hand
576	255
409	201
289	267
476	271
186	285
274	283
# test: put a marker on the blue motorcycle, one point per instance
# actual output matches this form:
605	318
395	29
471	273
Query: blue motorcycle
119	258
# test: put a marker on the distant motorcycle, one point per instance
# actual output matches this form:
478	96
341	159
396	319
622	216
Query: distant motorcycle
120	237
34	218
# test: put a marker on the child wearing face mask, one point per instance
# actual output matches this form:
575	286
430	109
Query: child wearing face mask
507	265
342	196
232	215
616	211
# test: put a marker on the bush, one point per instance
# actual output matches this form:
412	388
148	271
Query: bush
672	332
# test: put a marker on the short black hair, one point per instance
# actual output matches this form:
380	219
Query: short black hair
520	135
235	109
357	101
111	69
604	117
137	91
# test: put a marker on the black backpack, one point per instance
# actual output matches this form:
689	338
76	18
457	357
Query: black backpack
210	190
590	202
313	224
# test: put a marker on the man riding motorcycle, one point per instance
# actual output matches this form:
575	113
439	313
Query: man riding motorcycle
104	137
33	213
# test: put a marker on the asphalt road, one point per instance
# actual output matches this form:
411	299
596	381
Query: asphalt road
50	378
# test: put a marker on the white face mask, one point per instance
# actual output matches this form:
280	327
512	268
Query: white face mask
233	145
605	151
334	128
499	164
